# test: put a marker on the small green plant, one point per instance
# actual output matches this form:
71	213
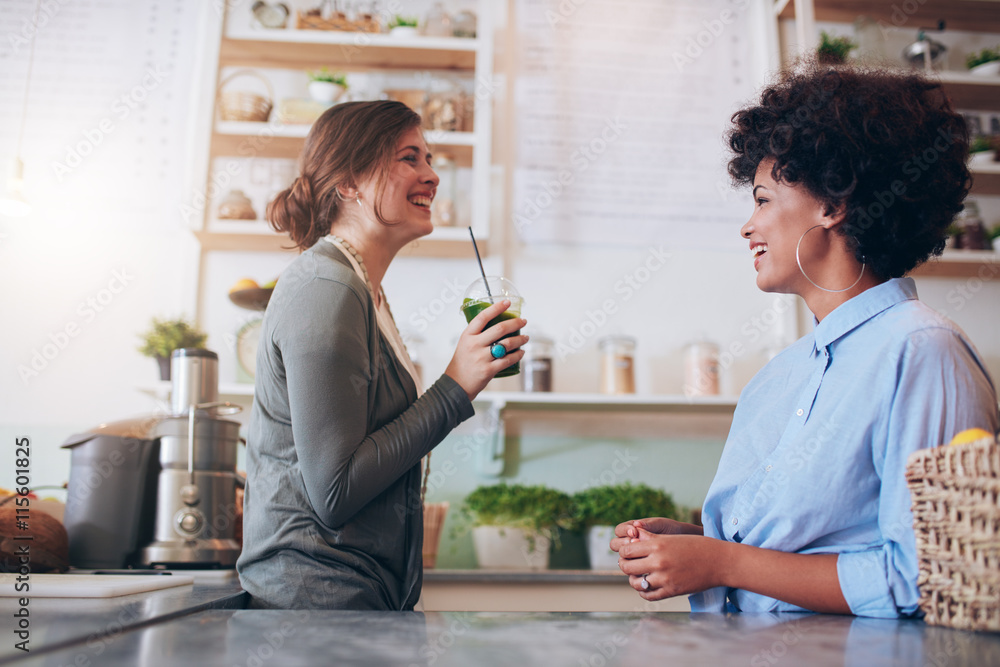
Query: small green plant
530	508
610	505
165	336
994	233
977	58
980	144
325	75
400	21
833	50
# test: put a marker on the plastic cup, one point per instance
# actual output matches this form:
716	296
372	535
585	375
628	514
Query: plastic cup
477	299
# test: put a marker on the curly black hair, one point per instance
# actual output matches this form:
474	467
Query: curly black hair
885	145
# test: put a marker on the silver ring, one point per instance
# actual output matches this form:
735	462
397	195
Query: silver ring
644	584
498	351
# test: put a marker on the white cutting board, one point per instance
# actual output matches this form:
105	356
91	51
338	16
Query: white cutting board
89	585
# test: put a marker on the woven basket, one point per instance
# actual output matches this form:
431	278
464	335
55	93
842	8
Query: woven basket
241	105
955	492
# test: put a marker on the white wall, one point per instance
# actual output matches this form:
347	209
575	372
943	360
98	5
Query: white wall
70	249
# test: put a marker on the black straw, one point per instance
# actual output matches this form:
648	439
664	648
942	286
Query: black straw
479	259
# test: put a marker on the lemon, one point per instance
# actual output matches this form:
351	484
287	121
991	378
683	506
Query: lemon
970	435
242	284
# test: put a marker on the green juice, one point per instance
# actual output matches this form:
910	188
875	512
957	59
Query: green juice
471	308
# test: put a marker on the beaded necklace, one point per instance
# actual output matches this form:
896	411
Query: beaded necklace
339	241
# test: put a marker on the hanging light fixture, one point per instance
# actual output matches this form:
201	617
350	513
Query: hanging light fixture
12	202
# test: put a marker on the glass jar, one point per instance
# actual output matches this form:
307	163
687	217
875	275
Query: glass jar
972	233
617	365
236	206
444	108
438	22
701	369
536	373
463	24
443	209
870	40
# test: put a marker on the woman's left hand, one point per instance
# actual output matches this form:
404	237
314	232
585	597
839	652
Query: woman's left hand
673	564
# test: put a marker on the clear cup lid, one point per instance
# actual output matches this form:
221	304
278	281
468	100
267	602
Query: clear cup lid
499	288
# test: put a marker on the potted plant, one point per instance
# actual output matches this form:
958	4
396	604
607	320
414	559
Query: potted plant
833	50
325	86
514	525
600	508
985	62
403	26
165	336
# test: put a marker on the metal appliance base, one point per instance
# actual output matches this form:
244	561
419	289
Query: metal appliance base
222	553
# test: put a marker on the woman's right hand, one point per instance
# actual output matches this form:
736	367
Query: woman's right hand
627	531
472	366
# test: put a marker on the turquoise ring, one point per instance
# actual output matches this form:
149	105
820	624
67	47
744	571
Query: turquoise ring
498	351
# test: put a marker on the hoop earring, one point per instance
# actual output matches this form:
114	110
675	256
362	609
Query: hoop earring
803	271
357	198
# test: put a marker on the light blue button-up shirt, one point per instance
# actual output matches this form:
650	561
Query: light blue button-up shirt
815	459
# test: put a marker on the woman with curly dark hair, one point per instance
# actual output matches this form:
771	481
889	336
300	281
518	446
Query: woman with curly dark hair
855	175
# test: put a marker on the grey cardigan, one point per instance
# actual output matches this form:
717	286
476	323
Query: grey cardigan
332	515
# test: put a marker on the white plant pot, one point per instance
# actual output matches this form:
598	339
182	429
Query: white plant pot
502	548
325	92
982	159
991	68
407	31
601	555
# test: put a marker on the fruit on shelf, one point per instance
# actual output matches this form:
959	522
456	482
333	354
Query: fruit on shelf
244	283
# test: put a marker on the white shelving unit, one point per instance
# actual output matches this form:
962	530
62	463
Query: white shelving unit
966	90
236	43
497	405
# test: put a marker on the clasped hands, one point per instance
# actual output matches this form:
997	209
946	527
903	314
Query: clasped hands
675	557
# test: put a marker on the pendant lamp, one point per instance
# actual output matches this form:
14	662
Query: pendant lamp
12	201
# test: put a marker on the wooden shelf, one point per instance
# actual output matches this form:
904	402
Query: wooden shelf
968	91
268	129
589	402
542	401
986	179
310	49
446	242
242	46
961	264
255	145
276	140
972	15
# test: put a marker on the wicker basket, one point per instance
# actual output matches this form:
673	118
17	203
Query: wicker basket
956	517
241	105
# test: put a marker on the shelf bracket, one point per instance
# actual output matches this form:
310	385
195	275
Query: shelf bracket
492	441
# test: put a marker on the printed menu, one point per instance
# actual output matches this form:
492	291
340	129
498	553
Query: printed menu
620	114
107	107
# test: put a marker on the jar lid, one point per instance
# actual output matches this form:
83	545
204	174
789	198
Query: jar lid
539	347
616	341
